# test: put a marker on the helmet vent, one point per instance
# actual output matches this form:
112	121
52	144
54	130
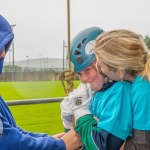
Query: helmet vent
77	52
79	46
83	41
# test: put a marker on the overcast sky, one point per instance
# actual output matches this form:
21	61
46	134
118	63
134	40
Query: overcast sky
41	25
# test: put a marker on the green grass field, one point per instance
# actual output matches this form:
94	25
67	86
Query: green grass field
43	118
32	90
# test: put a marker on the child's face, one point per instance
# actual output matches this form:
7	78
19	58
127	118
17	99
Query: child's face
91	76
111	74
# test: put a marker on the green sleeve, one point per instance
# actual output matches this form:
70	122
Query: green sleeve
85	126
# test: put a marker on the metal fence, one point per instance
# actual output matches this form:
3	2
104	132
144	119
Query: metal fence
34	101
30	74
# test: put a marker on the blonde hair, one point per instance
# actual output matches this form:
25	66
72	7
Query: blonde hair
123	49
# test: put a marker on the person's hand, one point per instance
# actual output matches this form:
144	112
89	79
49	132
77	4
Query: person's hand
59	135
72	140
80	100
66	113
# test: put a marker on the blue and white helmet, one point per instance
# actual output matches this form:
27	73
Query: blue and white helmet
81	52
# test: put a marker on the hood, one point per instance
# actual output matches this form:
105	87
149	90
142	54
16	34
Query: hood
6	37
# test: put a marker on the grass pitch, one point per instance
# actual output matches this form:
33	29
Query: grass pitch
43	118
32	90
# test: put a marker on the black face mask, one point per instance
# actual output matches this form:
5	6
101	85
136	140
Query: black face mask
1	64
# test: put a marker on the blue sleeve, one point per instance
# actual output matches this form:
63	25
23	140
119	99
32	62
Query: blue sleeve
32	133
12	139
95	138
141	103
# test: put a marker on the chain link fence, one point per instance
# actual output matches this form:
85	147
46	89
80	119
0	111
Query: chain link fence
15	73
29	74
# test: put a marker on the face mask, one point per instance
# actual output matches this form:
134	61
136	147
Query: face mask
1	64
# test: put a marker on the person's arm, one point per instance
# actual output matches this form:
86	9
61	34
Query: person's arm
95	138
13	123
33	134
11	138
66	114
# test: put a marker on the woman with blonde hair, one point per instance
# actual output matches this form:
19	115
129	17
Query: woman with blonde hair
123	55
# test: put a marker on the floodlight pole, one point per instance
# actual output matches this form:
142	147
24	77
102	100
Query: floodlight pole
64	53
13	53
68	20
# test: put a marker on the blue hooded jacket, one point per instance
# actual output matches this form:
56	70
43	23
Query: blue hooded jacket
6	37
11	136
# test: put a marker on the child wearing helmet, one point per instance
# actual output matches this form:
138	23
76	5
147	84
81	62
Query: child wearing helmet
97	105
11	136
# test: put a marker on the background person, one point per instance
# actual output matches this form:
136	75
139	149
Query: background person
11	136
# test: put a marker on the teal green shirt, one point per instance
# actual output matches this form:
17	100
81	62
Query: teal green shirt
112	107
141	103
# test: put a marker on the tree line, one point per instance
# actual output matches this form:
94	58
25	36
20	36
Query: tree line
147	41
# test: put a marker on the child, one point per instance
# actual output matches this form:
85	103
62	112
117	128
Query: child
110	103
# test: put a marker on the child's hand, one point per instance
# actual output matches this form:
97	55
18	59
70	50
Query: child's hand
66	113
77	104
80	100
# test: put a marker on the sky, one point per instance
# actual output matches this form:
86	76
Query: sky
41	25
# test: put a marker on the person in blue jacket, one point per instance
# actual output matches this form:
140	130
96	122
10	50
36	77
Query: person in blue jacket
102	108
123	55
11	136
